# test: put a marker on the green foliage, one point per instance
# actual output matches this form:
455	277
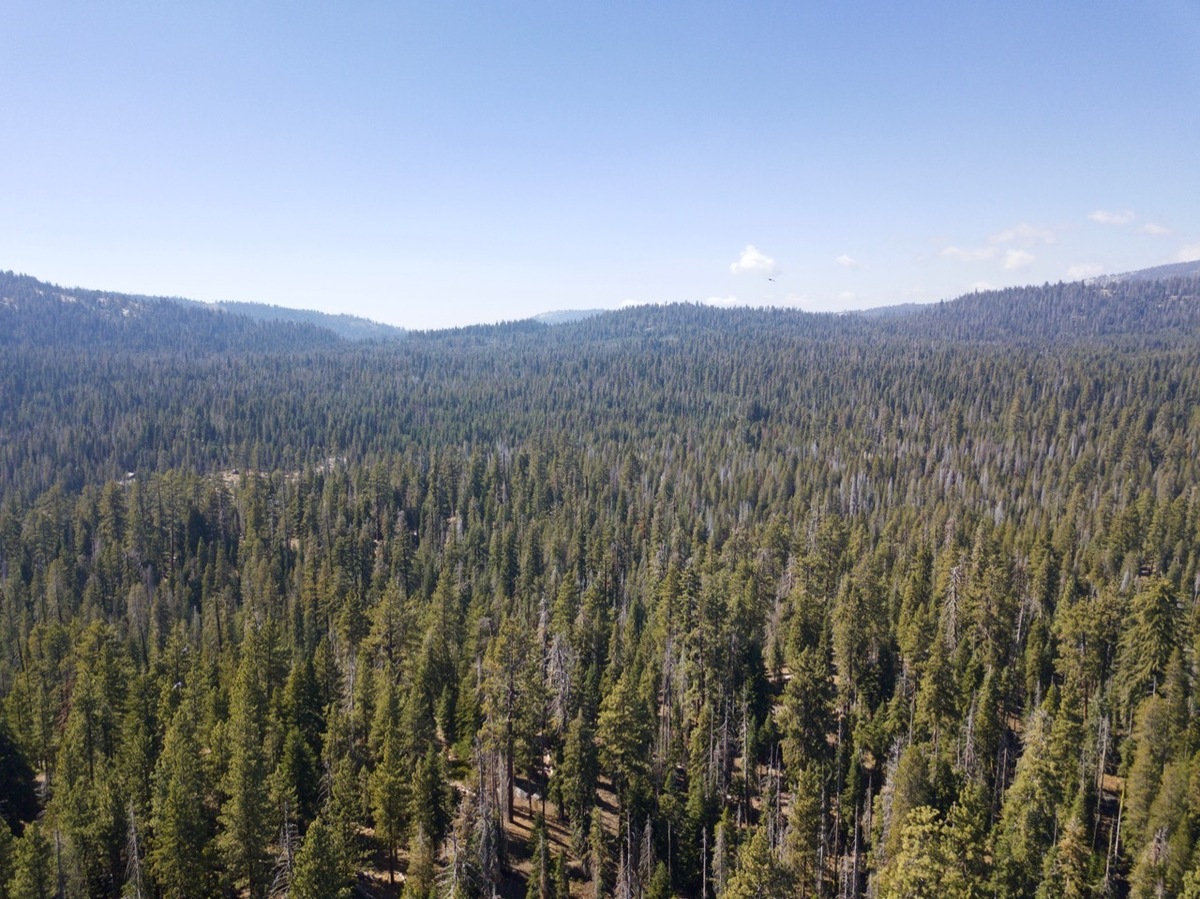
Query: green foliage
32	874
182	853
623	734
419	879
391	795
925	865
320	870
759	873
577	772
1149	641
1027	822
430	811
246	819
827	601
541	875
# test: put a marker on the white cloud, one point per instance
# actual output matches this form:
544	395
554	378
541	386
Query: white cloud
724	302
1154	230
847	296
1017	259
848	261
752	260
953	252
1190	253
1084	270
1025	234
1105	217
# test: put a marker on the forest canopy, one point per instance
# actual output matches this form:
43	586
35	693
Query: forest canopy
666	601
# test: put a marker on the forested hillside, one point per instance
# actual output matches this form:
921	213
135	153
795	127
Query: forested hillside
664	602
36	314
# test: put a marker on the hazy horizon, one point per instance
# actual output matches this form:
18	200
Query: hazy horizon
441	166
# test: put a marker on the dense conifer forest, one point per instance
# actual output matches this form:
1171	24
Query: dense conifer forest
671	601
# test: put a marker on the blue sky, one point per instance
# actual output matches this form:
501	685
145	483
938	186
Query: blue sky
444	163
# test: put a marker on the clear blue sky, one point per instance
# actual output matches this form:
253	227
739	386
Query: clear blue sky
442	163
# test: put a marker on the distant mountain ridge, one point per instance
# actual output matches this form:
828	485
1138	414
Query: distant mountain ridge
1131	309
39	313
1160	305
565	316
351	327
1157	273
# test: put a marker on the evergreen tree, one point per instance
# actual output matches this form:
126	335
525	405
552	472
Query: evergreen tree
182	853
1070	868
33	874
430	800
758	874
623	734
1147	644
924	865
577	773
246	821
541	876
391	795
320	870
1027	820
422	856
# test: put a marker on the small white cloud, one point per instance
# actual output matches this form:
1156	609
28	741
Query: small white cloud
1017	259
848	261
1025	234
847	296
1190	253
953	252
752	260
1154	230
1084	270
1105	217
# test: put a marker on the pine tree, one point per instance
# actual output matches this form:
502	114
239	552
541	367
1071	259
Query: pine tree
562	879
759	873
1147	643
181	857
597	857
802	844
1166	850
320	871
391	795
577	773
1070	869
247	824
32	865
623	733
541	876
430	798
422	856
295	783
1027	821
923	866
